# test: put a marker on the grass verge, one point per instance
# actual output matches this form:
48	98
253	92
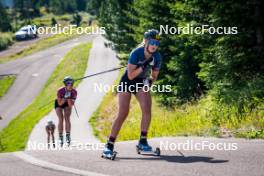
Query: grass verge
5	83
6	39
14	137
196	119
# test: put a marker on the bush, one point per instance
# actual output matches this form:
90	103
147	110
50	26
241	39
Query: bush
6	40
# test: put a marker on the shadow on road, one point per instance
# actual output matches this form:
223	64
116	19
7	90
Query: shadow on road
176	159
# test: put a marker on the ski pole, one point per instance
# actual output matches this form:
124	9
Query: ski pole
76	110
106	71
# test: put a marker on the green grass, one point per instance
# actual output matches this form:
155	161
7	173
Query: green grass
6	39
193	119
5	83
14	137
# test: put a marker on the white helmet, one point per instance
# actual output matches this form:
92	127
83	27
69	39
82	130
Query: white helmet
50	122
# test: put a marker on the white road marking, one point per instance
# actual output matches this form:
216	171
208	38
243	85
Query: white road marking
35	75
32	160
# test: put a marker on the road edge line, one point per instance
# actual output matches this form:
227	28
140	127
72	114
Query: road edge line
45	164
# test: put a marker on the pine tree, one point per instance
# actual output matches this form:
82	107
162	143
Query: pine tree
4	20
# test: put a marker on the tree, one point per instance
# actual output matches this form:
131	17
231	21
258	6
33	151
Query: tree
4	20
228	67
81	5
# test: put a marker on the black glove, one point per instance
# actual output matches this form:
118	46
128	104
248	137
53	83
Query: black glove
148	82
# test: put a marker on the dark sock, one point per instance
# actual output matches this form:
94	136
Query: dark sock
110	142
68	133
143	137
143	133
112	139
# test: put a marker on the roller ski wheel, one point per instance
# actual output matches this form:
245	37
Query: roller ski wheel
154	152
109	156
157	151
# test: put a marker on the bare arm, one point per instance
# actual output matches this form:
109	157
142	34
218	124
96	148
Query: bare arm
61	101
154	75
133	71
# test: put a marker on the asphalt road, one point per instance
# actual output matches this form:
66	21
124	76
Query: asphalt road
33	72
18	46
246	160
11	165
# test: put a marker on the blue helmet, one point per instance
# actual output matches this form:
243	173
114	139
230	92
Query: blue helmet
152	34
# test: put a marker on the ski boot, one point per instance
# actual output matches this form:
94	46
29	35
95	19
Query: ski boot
53	144
144	148
108	152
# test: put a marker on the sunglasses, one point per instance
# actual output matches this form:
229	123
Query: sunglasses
69	83
154	42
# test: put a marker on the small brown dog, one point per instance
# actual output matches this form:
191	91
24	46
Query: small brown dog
50	128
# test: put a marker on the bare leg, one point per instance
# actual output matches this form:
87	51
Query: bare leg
52	134
60	123
48	136
67	115
123	110
145	102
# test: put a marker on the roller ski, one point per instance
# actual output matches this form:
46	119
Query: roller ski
108	153
145	148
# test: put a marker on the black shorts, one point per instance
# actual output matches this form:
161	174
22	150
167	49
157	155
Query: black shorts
56	105
131	86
